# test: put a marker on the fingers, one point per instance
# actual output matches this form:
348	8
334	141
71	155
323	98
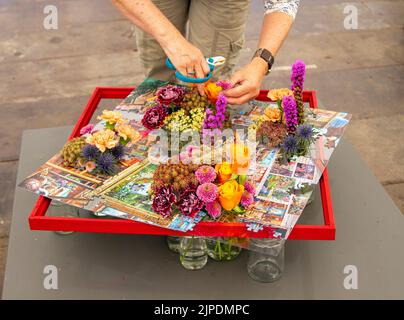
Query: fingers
200	74
242	93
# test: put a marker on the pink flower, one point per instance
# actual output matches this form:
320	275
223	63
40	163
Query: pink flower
207	192
87	129
249	187
247	199
214	209
205	174
170	94
90	166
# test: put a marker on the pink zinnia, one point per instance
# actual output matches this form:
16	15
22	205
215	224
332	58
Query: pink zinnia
205	174
214	209
87	129
249	187
247	199
207	192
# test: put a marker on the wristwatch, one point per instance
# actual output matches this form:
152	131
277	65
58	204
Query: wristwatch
266	55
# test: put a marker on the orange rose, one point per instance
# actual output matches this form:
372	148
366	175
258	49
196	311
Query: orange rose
272	114
230	194
278	94
224	171
240	158
212	91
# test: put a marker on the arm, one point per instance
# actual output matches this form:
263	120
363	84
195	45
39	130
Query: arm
275	28
184	56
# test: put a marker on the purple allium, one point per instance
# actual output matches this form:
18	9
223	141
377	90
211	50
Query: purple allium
87	129
249	187
207	192
247	199
189	203
163	200
154	117
90	152
305	131
214	209
290	144
290	112
170	94
106	163
298	74
205	174
118	151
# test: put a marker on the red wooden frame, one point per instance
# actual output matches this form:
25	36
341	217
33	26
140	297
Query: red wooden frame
39	221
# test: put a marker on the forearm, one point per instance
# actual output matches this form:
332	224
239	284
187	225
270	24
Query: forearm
275	28
145	15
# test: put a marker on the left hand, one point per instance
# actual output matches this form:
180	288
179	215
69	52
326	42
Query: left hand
247	82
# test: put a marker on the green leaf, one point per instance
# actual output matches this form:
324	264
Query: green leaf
242	178
238	209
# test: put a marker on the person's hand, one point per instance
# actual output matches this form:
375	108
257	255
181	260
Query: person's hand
247	82
188	60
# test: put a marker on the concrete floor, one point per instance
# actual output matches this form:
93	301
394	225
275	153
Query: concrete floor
48	75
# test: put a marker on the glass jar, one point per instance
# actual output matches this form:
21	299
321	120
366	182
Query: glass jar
193	253
173	243
60	209
266	259
222	249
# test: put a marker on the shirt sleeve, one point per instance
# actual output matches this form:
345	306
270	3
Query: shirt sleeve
286	6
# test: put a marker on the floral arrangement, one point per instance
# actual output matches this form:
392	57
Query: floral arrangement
181	108
190	188
99	151
284	126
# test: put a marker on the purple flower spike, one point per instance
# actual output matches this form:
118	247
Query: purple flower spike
290	111
298	74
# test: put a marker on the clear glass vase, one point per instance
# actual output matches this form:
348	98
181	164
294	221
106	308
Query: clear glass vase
173	243
193	253
266	259
222	249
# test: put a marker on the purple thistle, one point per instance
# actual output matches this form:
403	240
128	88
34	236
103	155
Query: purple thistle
90	152
118	151
298	74
106	163
290	111
305	131
290	145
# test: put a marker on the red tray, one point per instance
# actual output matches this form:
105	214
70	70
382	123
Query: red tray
39	221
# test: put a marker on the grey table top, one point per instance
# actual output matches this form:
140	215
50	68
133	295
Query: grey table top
104	266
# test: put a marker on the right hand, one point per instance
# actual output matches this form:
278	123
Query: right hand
188	60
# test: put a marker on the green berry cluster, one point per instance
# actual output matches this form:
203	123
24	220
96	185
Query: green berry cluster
180	176
71	151
192	100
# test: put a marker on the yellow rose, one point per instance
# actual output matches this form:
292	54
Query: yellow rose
224	171
111	117
278	94
126	131
230	194
104	139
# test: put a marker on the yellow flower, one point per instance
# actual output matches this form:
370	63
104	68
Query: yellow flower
212	91
111	117
224	171
104	139
230	194
272	114
126	131
278	94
